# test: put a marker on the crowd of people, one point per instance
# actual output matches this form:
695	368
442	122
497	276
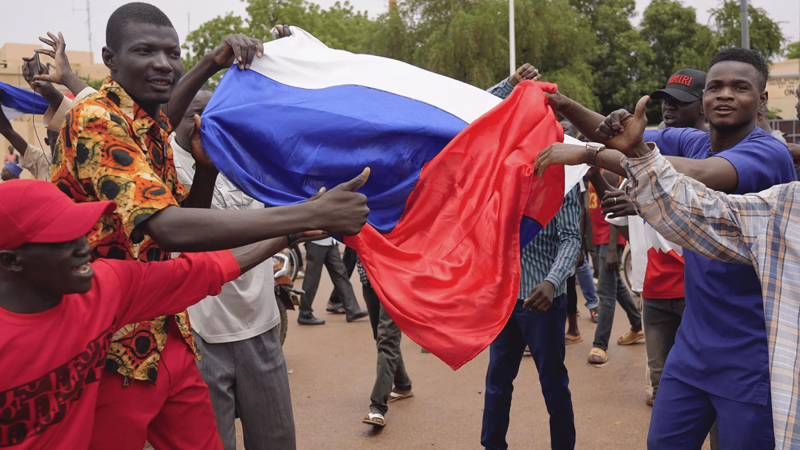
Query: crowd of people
172	351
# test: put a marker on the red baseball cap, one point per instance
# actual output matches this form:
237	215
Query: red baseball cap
37	211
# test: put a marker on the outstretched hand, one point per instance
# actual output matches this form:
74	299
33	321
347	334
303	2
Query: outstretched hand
61	69
624	131
237	47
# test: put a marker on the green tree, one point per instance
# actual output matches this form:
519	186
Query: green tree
621	61
677	40
765	34
792	50
206	38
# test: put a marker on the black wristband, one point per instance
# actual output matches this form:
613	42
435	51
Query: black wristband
292	238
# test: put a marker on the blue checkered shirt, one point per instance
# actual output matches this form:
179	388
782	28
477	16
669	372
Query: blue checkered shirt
552	254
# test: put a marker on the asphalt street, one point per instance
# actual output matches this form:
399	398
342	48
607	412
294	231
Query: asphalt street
332	369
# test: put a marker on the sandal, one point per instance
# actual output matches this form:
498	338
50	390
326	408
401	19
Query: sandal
597	356
571	339
375	419
399	395
631	337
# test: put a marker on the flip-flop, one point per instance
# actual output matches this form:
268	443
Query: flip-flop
570	339
597	356
375	419
399	395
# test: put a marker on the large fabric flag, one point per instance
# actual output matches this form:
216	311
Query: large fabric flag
452	192
17	101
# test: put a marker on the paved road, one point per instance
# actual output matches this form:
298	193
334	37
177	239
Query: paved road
333	367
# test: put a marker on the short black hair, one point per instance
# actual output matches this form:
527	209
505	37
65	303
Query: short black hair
136	12
746	56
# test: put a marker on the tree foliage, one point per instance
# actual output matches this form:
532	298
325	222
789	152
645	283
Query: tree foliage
792	50
765	34
589	47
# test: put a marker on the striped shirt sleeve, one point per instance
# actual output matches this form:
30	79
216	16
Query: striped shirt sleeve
569	235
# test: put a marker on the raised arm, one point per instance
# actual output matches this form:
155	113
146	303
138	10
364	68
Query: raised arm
19	143
62	71
236	47
524	72
716	173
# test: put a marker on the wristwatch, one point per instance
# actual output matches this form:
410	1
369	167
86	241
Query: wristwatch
592	149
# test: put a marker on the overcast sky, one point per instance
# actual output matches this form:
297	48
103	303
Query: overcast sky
24	21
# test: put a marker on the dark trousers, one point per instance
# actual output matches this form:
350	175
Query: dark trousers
572	296
318	256
661	319
682	416
349	259
544	334
611	289
391	371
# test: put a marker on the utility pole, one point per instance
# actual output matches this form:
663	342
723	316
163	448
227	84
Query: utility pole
88	24
512	46
745	25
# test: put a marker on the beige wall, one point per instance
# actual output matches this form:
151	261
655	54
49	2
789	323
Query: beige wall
28	126
784	78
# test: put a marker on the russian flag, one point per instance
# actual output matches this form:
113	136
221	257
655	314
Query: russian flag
452	192
17	101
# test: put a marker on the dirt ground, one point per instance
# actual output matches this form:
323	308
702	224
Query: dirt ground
333	367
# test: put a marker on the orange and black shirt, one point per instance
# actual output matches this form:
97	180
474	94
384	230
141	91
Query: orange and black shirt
111	149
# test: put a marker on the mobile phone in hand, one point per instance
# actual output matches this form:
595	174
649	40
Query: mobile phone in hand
34	66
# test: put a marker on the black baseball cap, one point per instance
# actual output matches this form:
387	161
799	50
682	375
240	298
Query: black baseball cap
685	85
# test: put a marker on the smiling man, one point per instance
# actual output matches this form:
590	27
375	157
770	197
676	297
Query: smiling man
58	310
718	367
115	146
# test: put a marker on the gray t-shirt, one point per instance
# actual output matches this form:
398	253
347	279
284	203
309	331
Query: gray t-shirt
246	306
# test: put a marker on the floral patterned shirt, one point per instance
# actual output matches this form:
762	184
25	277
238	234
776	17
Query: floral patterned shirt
110	149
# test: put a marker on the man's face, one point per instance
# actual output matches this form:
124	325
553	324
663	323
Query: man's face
60	269
147	64
680	114
6	175
184	128
732	95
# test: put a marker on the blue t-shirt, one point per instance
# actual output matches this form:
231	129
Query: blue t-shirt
721	345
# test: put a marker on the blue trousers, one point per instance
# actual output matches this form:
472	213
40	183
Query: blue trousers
683	415
544	334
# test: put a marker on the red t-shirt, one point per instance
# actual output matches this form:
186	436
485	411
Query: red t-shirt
663	278
600	230
50	362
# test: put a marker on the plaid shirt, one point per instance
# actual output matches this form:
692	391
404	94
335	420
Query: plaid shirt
761	229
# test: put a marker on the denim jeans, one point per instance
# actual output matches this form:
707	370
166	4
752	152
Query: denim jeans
544	334
586	280
611	289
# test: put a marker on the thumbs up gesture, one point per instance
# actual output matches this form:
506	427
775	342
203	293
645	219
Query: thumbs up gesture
624	131
342	210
